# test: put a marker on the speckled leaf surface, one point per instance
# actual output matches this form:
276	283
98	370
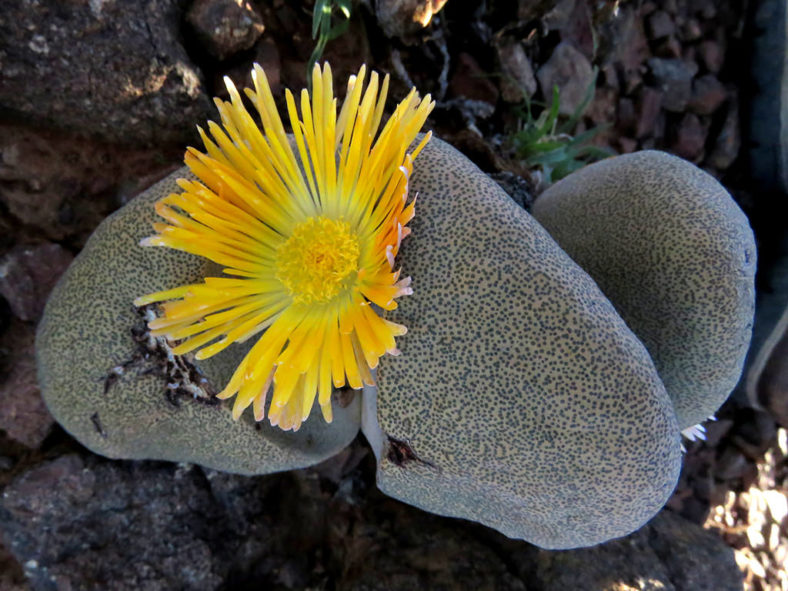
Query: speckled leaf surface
87	331
676	256
521	400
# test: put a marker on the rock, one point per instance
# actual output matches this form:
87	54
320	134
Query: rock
626	118
134	526
674	78
28	274
578	29
408	554
711	55
659	24
535	9
570	71
602	109
627	145
728	141
731	465
226	27
691	31
404	18
23	415
649	104
110	386
675	254
91	523
669	48
708	94
690	138
517	82
521	400
668	554
267	55
470	81
58	186
114	70
622	40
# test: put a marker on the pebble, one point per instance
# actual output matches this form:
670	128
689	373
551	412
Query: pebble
659	25
674	78
517	79
570	71
226	27
690	138
28	274
708	94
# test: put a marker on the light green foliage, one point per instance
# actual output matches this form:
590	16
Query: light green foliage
547	144
324	29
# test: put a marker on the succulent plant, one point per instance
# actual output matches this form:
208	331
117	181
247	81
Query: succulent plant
123	394
670	248
521	398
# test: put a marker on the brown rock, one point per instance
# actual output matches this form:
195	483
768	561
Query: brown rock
731	464
690	138
708	94
28	274
627	119
570	71
471	81
12	577
627	145
711	55
602	109
579	28
59	186
403	18
668	554
609	76
728	140
517	81
674	78
649	103
115	70
23	415
226	27
624	43
659	24
669	48
691	31
267	55
534	9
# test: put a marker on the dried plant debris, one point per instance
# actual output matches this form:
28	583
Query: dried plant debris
755	522
400	453
154	356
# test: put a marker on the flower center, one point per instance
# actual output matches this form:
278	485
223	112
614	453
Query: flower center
318	260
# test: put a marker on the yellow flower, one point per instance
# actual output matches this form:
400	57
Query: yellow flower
306	233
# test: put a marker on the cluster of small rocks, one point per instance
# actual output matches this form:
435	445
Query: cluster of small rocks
665	81
755	521
79	520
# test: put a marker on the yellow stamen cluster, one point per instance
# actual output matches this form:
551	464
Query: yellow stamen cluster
317	260
306	229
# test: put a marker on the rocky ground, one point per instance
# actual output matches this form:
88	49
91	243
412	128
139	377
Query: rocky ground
98	100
